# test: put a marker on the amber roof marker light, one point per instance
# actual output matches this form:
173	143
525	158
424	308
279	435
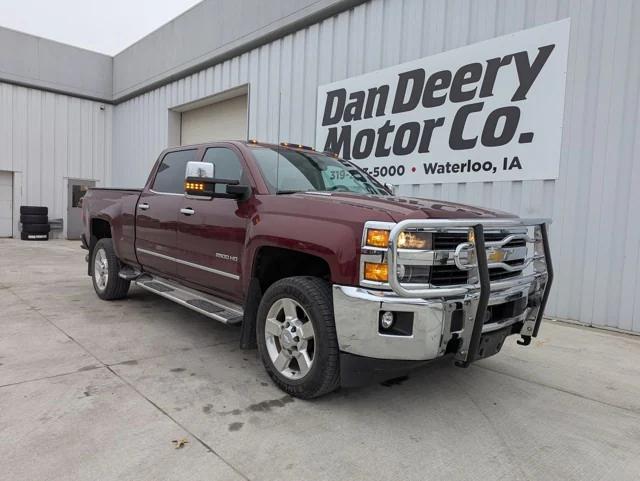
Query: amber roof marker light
297	146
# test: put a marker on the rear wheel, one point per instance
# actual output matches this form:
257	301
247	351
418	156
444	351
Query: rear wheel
296	337
105	267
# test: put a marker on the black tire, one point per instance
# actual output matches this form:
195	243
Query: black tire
33	210
34	219
314	296
36	228
34	237
115	286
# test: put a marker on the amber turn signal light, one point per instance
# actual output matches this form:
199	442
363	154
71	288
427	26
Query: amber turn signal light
378	238
376	272
193	186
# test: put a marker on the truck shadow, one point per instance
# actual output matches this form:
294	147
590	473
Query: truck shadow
432	382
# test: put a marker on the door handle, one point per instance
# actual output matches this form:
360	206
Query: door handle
187	211
143	206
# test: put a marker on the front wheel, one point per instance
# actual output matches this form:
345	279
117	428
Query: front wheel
106	266
296	337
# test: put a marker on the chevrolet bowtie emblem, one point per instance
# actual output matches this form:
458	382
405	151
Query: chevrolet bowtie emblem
495	255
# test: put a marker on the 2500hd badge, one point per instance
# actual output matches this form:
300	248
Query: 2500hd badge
227	257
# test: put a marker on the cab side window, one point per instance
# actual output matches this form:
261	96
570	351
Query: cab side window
170	175
226	165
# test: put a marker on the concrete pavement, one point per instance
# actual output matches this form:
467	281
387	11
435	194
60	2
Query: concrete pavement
95	390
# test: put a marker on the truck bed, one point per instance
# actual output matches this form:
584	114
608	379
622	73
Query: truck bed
114	209
116	189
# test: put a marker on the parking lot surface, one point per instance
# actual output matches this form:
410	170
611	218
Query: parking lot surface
96	390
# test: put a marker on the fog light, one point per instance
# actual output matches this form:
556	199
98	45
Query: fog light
386	321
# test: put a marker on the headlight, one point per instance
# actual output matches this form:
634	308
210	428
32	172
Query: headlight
406	240
415	240
377	238
374	266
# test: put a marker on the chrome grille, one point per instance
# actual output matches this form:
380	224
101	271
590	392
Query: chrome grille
497	274
450	275
450	240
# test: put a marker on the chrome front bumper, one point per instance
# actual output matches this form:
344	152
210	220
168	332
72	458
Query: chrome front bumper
463	322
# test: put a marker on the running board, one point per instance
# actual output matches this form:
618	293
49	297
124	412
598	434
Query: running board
129	273
206	304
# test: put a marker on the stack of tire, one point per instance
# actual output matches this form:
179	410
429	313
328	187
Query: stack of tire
35	223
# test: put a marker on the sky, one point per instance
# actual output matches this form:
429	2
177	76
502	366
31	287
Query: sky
106	26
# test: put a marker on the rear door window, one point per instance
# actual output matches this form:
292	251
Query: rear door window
170	176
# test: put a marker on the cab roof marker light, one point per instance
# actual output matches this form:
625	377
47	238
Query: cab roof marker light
297	146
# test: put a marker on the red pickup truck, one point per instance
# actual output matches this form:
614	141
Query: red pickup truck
334	278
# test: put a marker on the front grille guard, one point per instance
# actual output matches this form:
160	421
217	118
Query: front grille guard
478	247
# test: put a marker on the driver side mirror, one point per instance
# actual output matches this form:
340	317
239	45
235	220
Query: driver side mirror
200	181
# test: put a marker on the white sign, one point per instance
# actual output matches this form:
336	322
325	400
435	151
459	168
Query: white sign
485	112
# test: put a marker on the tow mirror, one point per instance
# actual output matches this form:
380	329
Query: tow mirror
200	181
199	169
237	191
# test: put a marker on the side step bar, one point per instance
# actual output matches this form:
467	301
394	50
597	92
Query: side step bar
208	305
129	273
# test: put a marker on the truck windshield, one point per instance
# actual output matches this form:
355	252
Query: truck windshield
288	171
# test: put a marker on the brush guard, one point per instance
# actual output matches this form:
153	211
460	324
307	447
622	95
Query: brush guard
472	256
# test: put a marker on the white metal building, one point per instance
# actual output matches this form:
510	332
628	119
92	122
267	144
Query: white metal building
229	69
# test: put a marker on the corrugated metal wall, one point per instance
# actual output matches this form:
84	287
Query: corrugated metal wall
46	138
596	235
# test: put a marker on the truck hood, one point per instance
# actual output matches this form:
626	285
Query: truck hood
400	208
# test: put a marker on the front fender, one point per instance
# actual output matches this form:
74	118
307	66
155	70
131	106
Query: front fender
336	243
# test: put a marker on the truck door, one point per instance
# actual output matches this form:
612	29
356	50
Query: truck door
211	232
157	214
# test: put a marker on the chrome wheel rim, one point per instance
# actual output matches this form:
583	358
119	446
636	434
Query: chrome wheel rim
290	338
101	269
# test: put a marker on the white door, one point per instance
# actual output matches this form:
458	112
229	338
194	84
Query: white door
6	204
225	120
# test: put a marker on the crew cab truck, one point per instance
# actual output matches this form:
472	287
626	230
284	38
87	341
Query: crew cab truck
334	278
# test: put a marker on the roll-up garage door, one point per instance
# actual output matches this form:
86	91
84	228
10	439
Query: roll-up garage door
6	204
225	120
